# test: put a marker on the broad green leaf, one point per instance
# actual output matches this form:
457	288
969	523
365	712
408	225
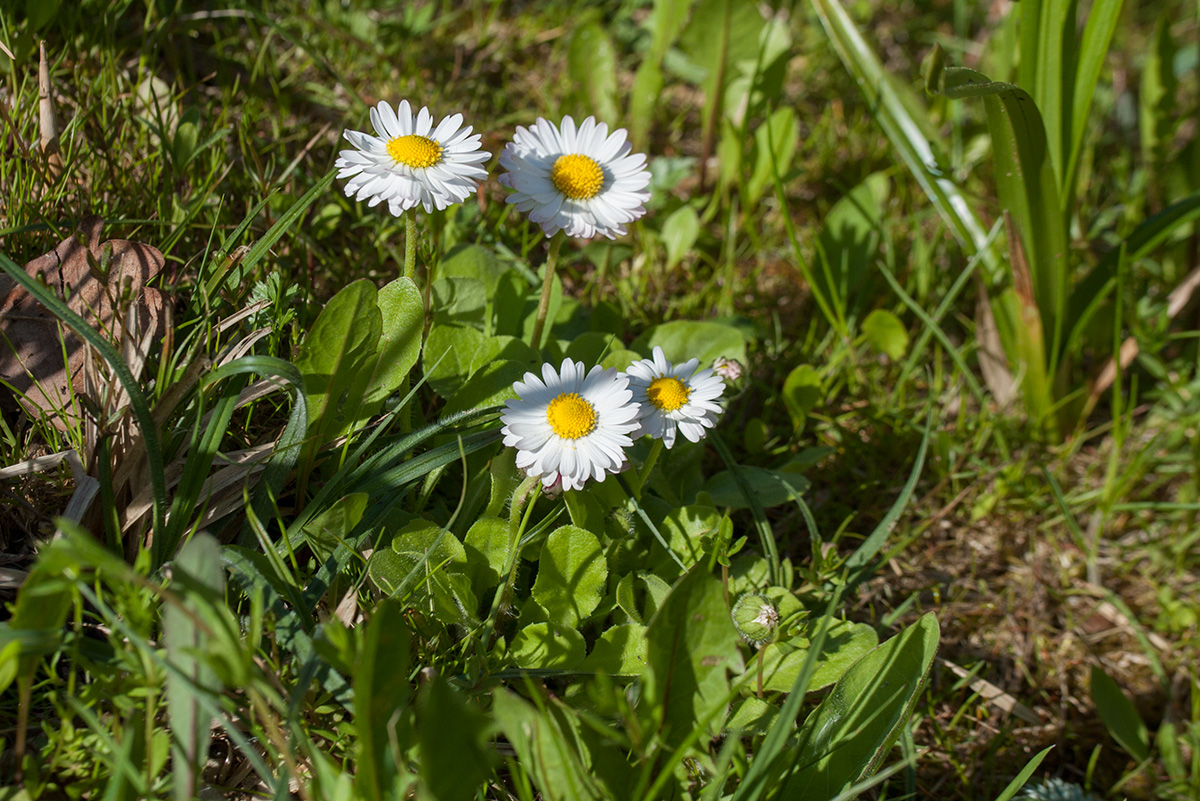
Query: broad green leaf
337	360
592	65
775	143
849	239
849	733
547	645
453	741
382	687
620	651
331	528
487	549
197	580
1046	70
460	301
1028	189
1119	715
490	385
549	753
770	487
752	715
640	594
10	651
644	97
473	261
801	392
845	643
571	575
885	333
682	340
429	562
38	13
679	233
402	320
449	356
1093	50
692	648
684	528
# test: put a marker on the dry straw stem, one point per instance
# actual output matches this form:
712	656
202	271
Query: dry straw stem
47	123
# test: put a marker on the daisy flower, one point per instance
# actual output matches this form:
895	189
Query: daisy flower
569	427
579	180
674	397
411	162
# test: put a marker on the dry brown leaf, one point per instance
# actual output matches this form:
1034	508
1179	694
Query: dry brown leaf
33	360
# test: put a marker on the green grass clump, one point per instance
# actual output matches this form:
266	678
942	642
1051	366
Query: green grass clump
281	549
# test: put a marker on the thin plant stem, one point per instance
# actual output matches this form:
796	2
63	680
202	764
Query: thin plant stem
410	245
535	341
644	474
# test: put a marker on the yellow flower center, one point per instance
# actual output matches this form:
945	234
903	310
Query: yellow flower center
577	177
668	393
570	416
414	151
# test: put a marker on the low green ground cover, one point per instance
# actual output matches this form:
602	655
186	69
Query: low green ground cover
281	536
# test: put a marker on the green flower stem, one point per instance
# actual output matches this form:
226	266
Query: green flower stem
574	507
535	341
410	245
644	474
524	498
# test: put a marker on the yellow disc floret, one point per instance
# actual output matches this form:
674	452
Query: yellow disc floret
570	416
577	177
668	393
414	151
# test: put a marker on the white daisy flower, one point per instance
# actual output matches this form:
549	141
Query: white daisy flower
579	180
411	162
569	427
674	397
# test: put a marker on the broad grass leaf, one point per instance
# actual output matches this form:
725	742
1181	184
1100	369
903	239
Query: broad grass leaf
885	333
571	575
686	526
454	352
604	349
845	643
692	648
430	563
679	233
487	547
849	239
337	360
198	580
452	739
556	760
1119	715
592	65
752	715
331	528
801	392
490	385
459	300
775	143
402	313
770	487
474	261
847	735
639	595
1028	189
382	687
547	645
620	651
685	339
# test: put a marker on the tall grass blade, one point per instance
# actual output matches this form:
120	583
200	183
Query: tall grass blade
892	110
1093	48
197	578
1019	780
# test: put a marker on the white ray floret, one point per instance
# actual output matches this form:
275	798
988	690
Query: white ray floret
674	398
570	426
581	180
411	162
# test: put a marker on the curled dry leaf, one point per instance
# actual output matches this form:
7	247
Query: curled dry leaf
99	281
